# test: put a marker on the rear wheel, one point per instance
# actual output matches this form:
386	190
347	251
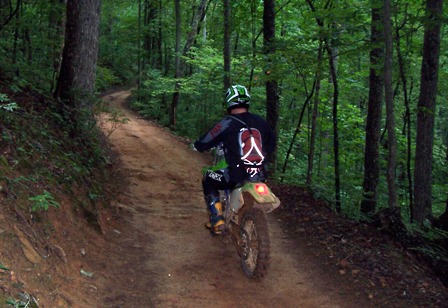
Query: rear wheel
254	243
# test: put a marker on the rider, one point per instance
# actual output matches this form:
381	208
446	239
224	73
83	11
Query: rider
226	132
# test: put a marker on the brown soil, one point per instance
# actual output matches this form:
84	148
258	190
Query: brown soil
153	250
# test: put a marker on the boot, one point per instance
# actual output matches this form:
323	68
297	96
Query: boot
216	222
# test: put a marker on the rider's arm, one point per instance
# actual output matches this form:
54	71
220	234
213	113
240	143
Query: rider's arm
213	137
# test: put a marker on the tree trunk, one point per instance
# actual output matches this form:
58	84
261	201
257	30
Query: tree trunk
56	36
16	44
139	35
337	176
10	12
309	175
374	110
199	15
159	61
333	73
299	123
426	111
175	99
227	59
150	38
254	37
272	98
76	80
407	121
391	139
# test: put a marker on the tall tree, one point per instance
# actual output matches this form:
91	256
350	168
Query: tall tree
227	59
76	80
180	65
56	36
177	68
140	65
299	124
374	107
337	174
407	118
426	111
317	78
254	37
272	98
390	117
334	79
7	12
159	60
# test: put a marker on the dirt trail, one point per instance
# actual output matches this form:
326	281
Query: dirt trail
165	257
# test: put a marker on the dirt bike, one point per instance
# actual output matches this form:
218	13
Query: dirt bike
244	209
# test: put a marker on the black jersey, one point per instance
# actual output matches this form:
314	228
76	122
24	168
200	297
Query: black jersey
227	132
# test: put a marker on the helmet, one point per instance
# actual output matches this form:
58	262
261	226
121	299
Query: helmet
237	96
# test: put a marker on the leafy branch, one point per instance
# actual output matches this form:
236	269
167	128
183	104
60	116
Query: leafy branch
43	201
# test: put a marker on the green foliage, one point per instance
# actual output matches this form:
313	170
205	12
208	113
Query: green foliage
106	78
43	202
25	301
132	49
434	234
9	107
151	99
16	303
119	34
109	119
7	104
434	237
29	45
2	267
39	154
347	25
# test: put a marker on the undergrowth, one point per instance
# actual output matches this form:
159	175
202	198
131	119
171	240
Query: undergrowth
36	155
41	164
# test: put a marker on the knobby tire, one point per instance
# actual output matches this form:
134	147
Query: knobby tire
255	228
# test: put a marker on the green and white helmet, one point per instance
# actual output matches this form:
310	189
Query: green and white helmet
237	95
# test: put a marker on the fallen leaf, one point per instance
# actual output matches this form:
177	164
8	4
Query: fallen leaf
87	274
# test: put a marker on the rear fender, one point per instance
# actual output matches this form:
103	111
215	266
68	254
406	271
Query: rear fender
256	194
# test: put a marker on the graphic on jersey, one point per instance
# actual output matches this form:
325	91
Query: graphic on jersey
251	147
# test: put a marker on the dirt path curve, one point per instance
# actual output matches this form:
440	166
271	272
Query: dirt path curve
165	257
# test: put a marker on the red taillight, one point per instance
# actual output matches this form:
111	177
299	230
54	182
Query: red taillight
261	189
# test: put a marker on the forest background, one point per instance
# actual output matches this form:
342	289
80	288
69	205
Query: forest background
310	67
